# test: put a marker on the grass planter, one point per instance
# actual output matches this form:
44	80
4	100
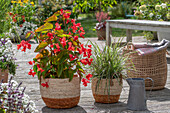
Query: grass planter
61	93
4	76
100	91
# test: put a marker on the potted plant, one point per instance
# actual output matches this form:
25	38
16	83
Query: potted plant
107	70
7	60
59	61
101	26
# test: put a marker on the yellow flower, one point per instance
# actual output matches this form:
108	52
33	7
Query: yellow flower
13	2
19	1
32	3
25	1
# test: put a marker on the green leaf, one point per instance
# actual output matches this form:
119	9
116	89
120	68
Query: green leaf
60	70
71	74
41	46
28	34
35	68
44	27
52	18
45	52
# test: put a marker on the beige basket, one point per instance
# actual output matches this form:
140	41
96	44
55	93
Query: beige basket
61	93
4	76
153	65
101	95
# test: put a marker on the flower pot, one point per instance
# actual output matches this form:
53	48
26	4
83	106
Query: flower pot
4	76
100	93
101	33
163	35
61	93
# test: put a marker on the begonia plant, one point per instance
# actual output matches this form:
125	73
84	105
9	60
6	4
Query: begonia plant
60	54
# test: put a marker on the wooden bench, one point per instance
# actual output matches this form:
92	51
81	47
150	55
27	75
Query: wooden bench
146	25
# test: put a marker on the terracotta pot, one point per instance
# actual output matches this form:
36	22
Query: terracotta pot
4	76
101	34
61	93
100	92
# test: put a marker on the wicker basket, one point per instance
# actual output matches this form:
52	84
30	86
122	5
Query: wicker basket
4	76
101	34
153	65
61	93
101	95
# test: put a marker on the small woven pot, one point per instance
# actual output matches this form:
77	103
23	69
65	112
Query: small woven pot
4	76
100	92
61	93
101	34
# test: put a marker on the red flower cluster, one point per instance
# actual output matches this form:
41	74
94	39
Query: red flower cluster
16	16
24	44
85	81
45	84
40	69
31	70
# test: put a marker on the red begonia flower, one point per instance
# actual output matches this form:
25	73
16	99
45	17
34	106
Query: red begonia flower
40	69
63	41
45	84
83	61
75	38
50	35
67	21
58	27
72	21
89	76
80	50
38	65
30	63
52	46
85	81
89	46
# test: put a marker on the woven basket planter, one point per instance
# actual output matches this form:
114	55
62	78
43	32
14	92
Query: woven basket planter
61	93
4	76
101	34
153	65
101	95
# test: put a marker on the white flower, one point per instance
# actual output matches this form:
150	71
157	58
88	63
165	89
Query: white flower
32	104
143	7
1	58
14	83
36	111
163	5
158	7
151	15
